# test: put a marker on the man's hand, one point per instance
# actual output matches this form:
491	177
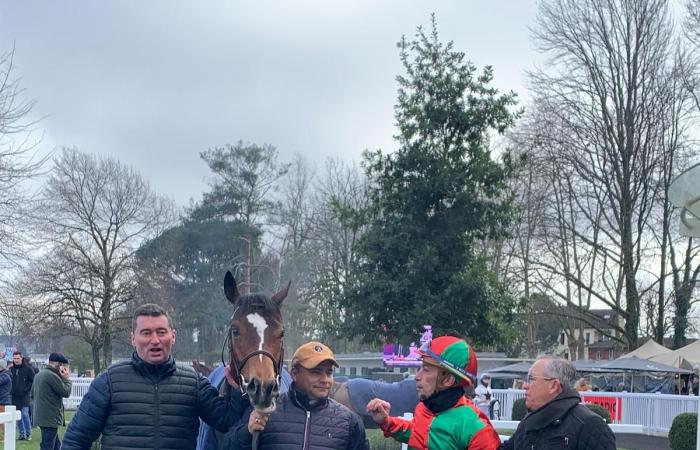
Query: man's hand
64	371
257	421
379	409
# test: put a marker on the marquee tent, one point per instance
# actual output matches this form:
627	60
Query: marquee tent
685	357
649	350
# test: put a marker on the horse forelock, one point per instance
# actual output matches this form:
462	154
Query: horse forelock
257	303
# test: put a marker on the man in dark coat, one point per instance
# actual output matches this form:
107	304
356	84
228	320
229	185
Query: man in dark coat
556	417
5	391
22	379
51	386
148	402
306	416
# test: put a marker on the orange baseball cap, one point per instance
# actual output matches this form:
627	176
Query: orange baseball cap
312	354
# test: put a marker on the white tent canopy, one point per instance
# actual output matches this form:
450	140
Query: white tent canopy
649	350
685	357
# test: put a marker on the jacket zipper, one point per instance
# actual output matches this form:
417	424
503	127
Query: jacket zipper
157	408
307	425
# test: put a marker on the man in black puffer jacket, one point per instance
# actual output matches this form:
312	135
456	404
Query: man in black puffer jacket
306	417
149	402
557	419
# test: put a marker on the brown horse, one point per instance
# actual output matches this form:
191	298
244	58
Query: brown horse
200	368
256	346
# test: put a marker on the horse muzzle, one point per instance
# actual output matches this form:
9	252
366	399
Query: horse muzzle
263	395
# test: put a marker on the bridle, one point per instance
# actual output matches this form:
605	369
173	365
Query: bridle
238	365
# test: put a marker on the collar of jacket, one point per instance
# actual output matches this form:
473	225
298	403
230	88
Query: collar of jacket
302	400
443	400
153	371
53	369
553	412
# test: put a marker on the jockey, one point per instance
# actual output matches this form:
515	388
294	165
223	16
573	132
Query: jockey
444	418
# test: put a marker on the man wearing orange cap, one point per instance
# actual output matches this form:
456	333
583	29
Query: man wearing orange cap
306	417
444	418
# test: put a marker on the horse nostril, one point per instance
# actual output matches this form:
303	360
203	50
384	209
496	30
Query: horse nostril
253	387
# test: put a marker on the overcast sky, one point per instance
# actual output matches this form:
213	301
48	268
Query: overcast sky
156	82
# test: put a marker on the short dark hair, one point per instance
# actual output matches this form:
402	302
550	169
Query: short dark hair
150	310
17	352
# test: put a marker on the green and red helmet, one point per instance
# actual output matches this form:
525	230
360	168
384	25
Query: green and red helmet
453	354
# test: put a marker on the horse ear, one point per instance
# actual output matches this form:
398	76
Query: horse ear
230	288
281	294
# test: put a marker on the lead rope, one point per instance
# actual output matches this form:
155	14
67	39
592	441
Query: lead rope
256	439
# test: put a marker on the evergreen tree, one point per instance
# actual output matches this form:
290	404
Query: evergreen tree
434	203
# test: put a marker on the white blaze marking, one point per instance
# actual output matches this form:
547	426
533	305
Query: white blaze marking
259	324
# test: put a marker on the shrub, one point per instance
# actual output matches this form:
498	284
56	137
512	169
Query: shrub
683	431
602	412
519	409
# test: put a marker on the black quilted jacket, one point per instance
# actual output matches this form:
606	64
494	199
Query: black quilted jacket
296	426
136	405
563	423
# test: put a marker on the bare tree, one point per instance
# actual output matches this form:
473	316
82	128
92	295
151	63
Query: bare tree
18	161
92	215
605	97
335	231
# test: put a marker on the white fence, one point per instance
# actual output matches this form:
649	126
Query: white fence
79	389
655	412
9	420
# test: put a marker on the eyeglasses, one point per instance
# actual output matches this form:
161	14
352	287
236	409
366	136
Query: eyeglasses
530	378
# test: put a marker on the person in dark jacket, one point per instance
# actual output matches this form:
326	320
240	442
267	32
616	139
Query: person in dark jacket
208	438
51	386
306	417
556	417
27	361
5	391
22	379
5	386
148	402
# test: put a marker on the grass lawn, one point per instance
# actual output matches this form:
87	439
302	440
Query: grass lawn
36	436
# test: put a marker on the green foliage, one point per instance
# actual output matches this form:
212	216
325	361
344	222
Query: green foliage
683	432
184	268
246	173
79	354
433	203
602	412
519	409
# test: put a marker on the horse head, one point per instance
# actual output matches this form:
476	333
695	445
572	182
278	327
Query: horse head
256	344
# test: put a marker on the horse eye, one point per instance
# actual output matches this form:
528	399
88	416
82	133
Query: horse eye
281	334
235	332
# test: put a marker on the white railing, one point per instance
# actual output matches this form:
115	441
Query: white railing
655	412
79	389
9	419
